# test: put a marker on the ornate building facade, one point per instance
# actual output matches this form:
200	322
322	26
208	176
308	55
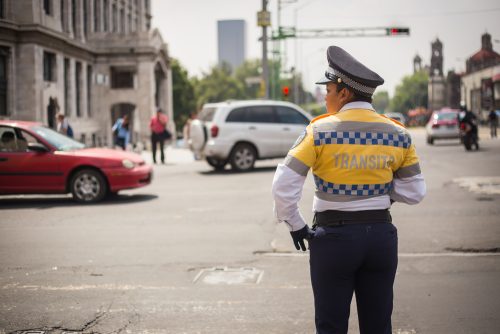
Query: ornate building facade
481	82
93	60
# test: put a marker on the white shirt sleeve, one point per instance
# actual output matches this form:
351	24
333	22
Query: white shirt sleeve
287	191
409	190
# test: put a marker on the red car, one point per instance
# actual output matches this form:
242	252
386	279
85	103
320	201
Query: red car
37	160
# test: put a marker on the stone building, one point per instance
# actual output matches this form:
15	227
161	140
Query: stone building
481	82
93	60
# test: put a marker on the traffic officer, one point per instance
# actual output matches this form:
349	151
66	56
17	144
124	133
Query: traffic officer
361	162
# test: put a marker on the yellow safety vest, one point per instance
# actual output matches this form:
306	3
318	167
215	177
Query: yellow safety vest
354	154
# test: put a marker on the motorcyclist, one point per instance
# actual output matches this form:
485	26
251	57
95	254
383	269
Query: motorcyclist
468	124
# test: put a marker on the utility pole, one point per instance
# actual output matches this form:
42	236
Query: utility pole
264	21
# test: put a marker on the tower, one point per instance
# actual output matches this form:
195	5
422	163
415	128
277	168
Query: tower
417	64
437	84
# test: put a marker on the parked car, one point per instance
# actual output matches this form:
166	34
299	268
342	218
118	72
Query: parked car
443	124
397	117
241	132
37	160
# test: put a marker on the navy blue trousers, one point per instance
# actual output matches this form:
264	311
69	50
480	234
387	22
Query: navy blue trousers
360	258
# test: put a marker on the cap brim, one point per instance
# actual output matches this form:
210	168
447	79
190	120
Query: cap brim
323	81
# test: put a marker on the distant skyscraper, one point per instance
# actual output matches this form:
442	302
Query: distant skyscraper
231	41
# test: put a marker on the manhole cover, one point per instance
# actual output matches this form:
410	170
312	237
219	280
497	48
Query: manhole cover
230	276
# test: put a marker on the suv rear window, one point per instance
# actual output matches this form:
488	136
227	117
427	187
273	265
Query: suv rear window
290	116
207	114
237	115
260	114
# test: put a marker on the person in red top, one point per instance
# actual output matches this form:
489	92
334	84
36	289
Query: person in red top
159	133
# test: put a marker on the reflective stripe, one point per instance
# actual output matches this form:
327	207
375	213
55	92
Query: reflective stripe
352	189
360	126
361	138
296	165
342	198
408	171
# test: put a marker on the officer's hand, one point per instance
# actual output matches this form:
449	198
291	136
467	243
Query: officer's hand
299	236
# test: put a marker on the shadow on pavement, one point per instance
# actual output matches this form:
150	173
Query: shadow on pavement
45	202
231	172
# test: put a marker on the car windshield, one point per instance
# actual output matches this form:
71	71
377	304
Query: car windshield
446	116
59	141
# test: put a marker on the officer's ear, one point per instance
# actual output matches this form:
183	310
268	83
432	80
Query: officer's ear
346	95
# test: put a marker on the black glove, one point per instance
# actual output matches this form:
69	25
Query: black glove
299	236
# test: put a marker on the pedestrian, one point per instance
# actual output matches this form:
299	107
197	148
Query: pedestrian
493	119
121	132
63	125
186	130
159	133
361	162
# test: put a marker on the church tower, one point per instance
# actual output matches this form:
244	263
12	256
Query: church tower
417	63
437	84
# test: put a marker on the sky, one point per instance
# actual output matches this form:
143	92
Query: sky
189	27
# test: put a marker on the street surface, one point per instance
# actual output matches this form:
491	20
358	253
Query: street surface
142	262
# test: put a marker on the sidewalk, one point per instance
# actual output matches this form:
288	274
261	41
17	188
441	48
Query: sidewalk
173	155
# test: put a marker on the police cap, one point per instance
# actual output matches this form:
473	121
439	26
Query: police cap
342	67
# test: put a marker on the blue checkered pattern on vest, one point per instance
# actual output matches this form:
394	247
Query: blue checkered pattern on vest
352	189
361	138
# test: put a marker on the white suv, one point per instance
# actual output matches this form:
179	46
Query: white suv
240	132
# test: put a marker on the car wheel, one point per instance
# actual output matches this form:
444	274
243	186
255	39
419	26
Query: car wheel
430	140
243	157
217	164
88	186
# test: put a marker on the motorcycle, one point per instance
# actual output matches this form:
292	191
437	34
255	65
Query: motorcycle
469	136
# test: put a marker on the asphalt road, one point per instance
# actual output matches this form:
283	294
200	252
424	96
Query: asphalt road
159	259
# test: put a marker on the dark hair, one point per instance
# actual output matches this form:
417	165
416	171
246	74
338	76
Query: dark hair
356	96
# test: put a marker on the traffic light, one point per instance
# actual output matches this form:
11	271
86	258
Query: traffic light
285	90
397	31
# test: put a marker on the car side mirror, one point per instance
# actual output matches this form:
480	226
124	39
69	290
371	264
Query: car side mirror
37	147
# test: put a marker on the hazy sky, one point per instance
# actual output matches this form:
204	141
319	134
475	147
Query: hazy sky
189	27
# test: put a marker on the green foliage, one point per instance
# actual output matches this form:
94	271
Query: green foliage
381	101
183	94
218	85
246	73
411	93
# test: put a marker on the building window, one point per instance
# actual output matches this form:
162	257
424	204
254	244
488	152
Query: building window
3	81
63	17
73	15
130	28
2	10
122	21
49	66
114	21
67	68
97	16
78	86
146	5
89	90
122	78
85	17
47	7
106	15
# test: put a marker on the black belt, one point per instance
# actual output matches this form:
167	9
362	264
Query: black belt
336	217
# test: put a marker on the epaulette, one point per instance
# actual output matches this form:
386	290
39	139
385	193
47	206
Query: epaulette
320	117
393	120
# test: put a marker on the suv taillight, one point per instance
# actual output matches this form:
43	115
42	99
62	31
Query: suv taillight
214	131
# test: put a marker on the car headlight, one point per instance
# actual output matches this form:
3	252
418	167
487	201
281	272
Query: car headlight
128	164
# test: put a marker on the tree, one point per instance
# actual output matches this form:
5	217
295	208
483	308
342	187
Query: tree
411	93
218	85
381	101
249	73
183	94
